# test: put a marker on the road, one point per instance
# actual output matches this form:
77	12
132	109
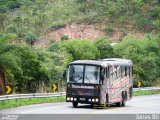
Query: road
138	105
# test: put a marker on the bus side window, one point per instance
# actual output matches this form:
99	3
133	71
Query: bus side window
110	75
122	71
131	71
110	72
107	72
126	71
116	72
119	71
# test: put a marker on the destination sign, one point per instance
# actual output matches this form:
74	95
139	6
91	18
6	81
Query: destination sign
81	86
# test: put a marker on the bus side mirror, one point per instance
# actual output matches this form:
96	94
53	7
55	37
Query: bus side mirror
65	72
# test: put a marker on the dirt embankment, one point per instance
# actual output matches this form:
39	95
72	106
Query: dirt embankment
83	31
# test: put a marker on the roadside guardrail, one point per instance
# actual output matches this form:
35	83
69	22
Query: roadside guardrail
34	95
146	88
58	94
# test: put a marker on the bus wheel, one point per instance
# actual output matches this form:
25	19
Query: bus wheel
107	98
119	104
123	103
124	98
75	104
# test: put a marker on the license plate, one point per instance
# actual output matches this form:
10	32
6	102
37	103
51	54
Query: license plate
83	99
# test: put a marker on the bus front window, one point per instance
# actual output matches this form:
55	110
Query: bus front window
75	74
92	74
83	74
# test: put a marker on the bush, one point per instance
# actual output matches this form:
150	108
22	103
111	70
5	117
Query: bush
30	37
80	49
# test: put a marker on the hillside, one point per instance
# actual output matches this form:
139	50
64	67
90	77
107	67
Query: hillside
38	38
79	18
85	31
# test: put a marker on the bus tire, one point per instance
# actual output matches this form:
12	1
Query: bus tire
119	104
130	92
124	98
123	103
75	104
107	98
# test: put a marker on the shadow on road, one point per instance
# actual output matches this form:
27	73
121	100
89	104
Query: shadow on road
85	106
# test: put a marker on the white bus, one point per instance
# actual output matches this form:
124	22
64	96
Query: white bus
106	81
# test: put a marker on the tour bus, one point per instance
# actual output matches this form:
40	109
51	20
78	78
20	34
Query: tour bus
100	82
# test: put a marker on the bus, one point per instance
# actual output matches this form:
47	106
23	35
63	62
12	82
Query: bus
100	82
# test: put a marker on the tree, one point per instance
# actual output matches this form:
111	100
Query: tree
35	75
30	38
80	49
60	59
8	61
83	5
8	5
17	22
105	48
3	18
144	56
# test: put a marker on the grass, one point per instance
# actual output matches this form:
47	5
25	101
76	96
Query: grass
22	102
145	92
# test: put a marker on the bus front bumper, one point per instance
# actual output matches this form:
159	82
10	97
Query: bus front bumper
86	100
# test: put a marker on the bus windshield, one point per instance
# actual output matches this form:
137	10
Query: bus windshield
83	74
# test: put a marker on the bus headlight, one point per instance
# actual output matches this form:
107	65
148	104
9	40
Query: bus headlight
71	99
93	100
89	100
97	100
75	99
68	98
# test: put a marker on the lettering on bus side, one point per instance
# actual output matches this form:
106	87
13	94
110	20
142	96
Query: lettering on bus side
87	87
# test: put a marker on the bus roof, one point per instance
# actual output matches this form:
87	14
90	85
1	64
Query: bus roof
105	62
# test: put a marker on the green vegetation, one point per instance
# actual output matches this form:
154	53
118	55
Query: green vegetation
22	102
30	38
40	16
80	49
28	69
145	56
146	92
104	47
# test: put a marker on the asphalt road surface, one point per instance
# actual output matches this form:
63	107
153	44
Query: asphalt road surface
138	105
